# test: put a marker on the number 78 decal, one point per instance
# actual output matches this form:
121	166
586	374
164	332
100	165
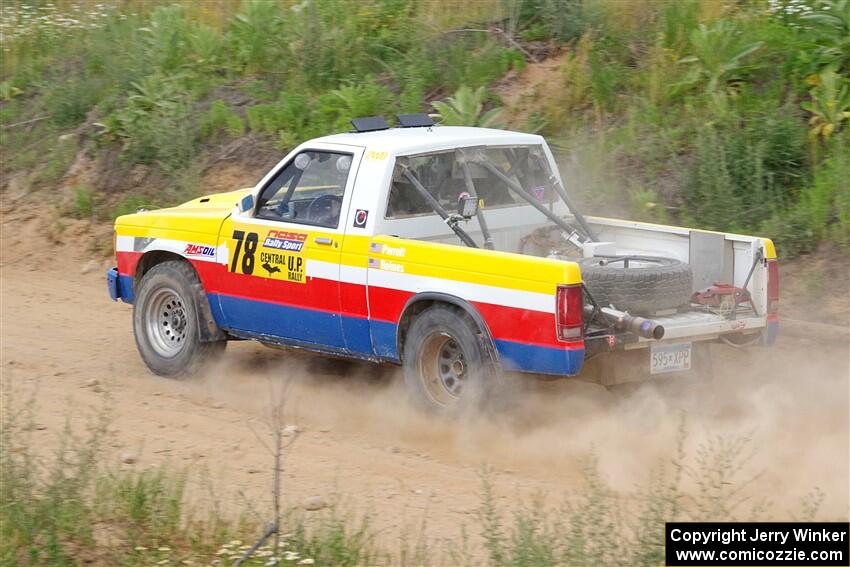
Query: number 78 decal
247	265
274	264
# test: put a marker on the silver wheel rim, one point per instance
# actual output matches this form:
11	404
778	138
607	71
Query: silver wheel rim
166	322
443	368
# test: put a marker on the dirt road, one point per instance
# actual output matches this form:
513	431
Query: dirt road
362	445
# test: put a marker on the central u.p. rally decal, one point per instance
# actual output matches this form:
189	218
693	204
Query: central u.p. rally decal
282	266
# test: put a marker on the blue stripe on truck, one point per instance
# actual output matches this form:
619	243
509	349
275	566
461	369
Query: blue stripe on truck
364	337
539	359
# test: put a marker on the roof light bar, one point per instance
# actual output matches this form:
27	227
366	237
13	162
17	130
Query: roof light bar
370	124
420	120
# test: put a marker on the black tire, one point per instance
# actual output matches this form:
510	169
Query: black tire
165	321
447	368
648	285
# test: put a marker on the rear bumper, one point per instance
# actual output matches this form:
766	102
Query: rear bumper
536	359
772	331
119	286
690	327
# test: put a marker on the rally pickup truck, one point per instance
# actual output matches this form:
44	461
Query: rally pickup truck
454	252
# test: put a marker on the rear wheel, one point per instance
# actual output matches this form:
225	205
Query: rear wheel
447	368
165	321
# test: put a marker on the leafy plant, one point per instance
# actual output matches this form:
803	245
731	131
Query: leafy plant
830	104
155	125
717	54
466	108
167	37
254	33
354	100
8	90
830	21
292	118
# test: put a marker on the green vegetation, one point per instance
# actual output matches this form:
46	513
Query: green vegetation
72	507
466	108
84	202
731	116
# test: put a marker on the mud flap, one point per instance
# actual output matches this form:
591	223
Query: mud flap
208	328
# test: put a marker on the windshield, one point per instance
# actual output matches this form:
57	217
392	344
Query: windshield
442	174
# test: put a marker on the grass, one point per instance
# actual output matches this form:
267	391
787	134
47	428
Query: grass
722	116
69	506
65	504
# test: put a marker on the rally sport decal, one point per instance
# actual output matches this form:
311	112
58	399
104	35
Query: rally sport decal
278	258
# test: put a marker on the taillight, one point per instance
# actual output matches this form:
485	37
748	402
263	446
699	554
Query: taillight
772	287
568	312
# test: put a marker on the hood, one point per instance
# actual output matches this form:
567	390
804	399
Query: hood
201	215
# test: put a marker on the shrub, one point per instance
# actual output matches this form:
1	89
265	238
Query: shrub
466	108
167	38
156	123
559	19
293	118
254	34
84	202
830	104
367	98
830	24
822	210
717	55
220	119
745	169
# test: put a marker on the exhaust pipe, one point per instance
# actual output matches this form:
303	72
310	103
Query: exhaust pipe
622	321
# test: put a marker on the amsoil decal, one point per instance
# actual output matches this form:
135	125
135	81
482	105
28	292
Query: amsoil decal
199	250
245	258
360	218
285	240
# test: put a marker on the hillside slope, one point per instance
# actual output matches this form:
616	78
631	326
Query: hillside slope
675	111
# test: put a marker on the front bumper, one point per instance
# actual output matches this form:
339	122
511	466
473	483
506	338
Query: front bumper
119	286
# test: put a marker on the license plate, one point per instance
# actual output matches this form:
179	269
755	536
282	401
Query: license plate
670	358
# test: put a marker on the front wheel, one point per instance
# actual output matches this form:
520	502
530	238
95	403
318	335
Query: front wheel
447	368
165	321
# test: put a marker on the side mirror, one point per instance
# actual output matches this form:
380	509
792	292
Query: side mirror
246	204
467	205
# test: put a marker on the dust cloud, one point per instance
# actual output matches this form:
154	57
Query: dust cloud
790	402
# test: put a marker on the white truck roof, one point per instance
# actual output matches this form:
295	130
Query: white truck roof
401	141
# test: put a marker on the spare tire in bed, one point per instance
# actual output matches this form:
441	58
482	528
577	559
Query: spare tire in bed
638	284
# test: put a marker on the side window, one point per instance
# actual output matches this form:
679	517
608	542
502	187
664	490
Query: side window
442	175
308	190
434	171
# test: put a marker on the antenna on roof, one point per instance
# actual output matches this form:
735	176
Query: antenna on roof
370	124
420	120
